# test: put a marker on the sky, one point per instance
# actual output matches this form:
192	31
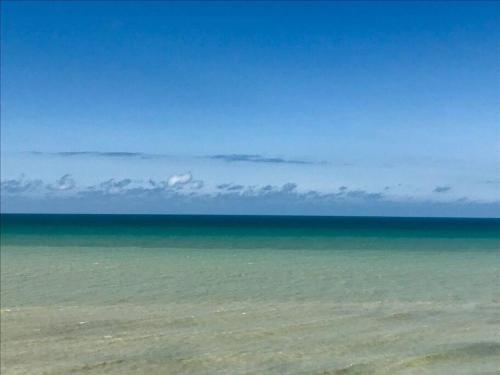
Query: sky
317	108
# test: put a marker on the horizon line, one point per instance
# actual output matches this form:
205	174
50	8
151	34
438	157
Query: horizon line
252	215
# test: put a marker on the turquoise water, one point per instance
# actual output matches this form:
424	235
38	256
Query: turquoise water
238	295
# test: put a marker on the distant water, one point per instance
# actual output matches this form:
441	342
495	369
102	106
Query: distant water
122	294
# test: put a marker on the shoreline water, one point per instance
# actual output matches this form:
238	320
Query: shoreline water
184	298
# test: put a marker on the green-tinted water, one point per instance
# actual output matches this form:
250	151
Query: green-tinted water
170	295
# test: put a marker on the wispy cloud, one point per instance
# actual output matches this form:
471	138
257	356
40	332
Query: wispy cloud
255	158
230	187
113	186
442	189
112	154
250	158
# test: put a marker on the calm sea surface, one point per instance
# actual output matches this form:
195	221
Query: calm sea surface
119	294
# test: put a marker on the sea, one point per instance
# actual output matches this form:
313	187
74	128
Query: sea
167	294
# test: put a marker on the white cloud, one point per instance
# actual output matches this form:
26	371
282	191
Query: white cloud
20	186
178	180
65	183
182	193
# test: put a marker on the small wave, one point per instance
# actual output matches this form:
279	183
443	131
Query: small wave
97	366
354	369
466	352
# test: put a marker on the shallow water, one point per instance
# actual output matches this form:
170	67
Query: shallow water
198	295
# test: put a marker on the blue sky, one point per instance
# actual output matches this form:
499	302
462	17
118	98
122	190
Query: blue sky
315	108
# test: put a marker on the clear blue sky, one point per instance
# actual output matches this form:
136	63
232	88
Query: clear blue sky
362	106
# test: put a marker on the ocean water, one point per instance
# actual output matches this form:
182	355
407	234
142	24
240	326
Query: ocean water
115	294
